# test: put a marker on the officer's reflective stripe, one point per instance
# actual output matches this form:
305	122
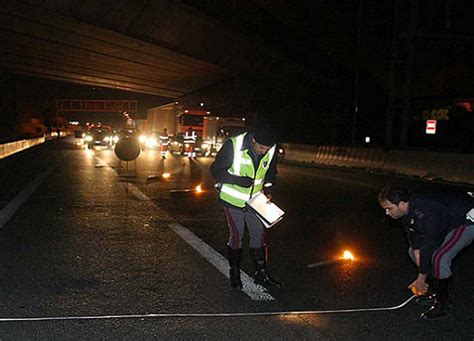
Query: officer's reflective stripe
268	184
271	152
258	181
235	193
239	140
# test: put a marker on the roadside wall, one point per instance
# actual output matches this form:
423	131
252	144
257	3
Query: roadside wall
433	165
10	148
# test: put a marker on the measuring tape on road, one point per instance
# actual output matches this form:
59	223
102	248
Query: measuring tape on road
170	315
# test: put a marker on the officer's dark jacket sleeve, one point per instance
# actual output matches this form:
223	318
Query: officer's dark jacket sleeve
222	163
414	237
431	224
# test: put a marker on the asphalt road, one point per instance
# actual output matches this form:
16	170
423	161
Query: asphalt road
95	240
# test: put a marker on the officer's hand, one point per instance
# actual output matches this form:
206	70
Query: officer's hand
418	287
244	181
269	197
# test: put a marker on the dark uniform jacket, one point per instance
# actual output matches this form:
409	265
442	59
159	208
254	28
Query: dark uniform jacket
225	158
431	215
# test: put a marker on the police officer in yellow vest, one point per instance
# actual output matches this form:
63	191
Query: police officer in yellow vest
245	165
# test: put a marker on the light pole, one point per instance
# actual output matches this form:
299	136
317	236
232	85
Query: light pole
355	106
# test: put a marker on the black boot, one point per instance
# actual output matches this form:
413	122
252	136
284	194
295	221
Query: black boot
259	257
235	255
440	309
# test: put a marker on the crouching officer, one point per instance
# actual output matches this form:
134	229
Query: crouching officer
439	225
245	165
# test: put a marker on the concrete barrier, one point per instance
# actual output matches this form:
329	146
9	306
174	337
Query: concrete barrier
10	148
433	165
335	156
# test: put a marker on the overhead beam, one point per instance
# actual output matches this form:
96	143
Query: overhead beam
42	43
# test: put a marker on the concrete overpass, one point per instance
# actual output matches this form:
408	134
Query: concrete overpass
39	41
162	48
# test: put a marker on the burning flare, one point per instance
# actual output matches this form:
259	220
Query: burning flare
165	175
198	188
348	255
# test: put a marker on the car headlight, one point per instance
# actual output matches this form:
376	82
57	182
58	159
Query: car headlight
88	138
151	142
186	145
107	139
281	151
204	145
142	139
116	138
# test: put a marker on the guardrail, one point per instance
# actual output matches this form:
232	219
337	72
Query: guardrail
10	148
455	167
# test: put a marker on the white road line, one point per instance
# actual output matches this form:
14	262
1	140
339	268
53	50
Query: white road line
9	210
254	291
137	193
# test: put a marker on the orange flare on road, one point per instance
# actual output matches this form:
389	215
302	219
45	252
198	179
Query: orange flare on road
165	175
348	255
198	188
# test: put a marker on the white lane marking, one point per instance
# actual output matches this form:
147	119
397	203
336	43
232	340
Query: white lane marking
254	291
9	210
137	193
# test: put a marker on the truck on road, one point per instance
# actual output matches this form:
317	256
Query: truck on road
212	131
217	129
177	119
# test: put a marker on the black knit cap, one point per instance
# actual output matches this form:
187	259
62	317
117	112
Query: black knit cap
265	135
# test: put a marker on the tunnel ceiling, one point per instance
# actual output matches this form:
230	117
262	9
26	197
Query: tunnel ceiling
40	42
159	47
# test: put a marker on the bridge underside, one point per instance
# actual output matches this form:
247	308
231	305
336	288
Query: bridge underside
39	42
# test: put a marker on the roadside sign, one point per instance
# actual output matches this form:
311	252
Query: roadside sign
430	127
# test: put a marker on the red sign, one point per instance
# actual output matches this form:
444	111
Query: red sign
430	127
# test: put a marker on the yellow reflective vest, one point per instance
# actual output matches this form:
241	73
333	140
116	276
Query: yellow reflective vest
243	166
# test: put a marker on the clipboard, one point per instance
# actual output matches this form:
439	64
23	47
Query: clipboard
266	211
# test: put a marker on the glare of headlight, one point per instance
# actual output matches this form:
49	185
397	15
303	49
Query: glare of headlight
107	139
89	153
280	151
88	138
142	139
116	138
151	142
205	145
